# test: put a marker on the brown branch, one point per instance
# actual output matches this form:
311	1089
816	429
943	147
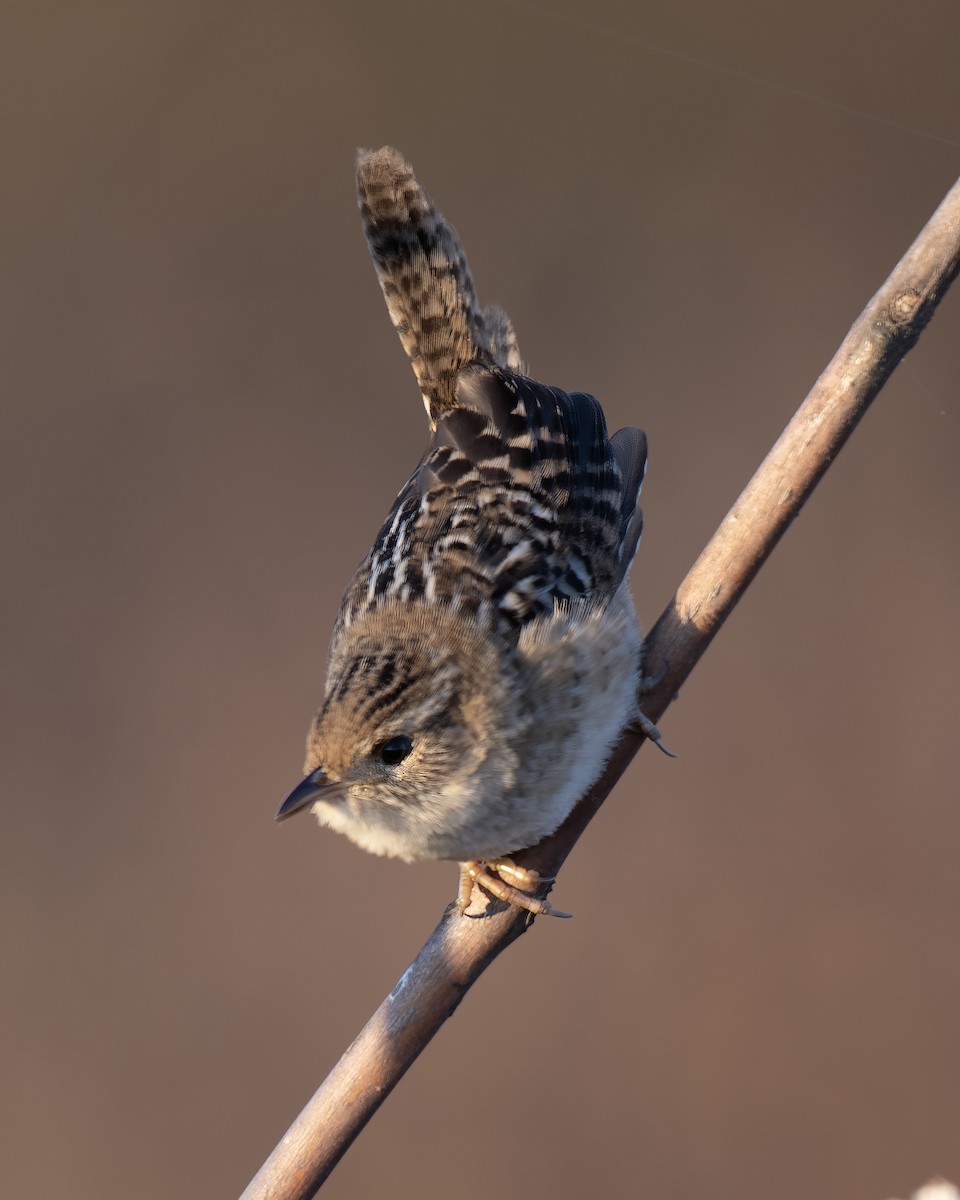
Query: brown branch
460	949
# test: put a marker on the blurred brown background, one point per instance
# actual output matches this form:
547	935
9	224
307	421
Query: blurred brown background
206	415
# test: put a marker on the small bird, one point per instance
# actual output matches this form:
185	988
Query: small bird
486	655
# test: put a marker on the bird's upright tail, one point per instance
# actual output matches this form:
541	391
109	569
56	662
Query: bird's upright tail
426	282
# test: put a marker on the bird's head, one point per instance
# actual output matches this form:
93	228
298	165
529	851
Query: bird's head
411	726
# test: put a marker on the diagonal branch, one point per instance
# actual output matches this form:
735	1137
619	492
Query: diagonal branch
460	949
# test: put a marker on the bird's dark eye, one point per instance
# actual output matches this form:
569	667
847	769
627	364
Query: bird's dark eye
395	751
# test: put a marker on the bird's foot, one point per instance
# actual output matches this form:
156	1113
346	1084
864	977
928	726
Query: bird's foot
642	724
501	877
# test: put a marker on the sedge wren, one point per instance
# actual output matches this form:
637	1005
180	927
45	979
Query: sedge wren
486	655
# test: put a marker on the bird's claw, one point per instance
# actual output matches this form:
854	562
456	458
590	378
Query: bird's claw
492	876
642	724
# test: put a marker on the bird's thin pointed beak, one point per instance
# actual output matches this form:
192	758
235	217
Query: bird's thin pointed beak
304	794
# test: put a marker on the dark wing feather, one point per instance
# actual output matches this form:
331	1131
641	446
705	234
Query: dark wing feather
630	448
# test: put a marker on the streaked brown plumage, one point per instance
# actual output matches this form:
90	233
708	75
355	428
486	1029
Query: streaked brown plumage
486	654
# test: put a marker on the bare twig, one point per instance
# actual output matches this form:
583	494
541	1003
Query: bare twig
460	949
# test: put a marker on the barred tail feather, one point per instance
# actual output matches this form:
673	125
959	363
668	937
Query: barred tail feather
426	281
